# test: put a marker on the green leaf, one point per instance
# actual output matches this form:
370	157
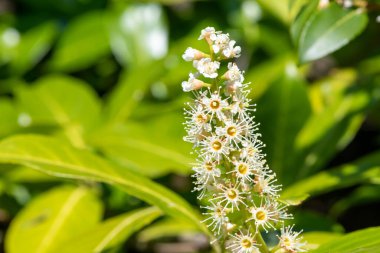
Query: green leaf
109	233
365	240
34	45
130	90
63	101
266	73
166	228
52	218
278	9
300	21
138	34
365	169
131	144
282	111
329	29
8	119
83	43
56	158
340	108
314	239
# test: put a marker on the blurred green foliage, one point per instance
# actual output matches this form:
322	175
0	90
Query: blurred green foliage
90	94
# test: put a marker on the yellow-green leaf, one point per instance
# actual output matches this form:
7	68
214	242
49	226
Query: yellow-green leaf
52	218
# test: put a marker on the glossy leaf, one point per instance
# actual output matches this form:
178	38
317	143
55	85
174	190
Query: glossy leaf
53	157
339	111
129	91
365	240
315	239
83	42
302	19
8	119
60	100
166	228
52	218
131	144
278	9
34	45
287	104
329	29
109	233
363	170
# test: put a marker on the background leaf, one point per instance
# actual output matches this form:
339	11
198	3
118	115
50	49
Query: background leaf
109	233
55	158
329	29
366	240
52	218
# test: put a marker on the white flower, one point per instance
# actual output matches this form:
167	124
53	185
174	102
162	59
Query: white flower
230	197
263	216
208	68
234	132
290	241
192	84
234	74
243	243
217	216
205	171
192	54
264	184
207	32
214	147
241	106
243	170
214	105
231	51
220	42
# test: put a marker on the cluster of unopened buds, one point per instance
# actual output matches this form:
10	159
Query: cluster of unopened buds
236	187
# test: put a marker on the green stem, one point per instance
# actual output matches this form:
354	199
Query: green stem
262	245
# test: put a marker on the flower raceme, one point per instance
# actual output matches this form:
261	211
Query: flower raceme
236	187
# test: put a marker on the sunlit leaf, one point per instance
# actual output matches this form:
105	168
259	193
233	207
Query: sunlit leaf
365	240
166	228
314	239
339	111
55	158
282	111
139	146
329	29
61	100
278	9
8	118
366	169
129	91
34	45
83	42
52	218
109	233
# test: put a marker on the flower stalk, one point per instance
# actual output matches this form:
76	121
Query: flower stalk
238	192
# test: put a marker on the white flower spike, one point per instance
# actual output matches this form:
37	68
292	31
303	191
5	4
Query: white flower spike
231	174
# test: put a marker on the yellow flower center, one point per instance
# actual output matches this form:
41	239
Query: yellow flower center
214	104
231	131
242	168
286	241
246	243
216	145
261	215
208	166
232	194
200	118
